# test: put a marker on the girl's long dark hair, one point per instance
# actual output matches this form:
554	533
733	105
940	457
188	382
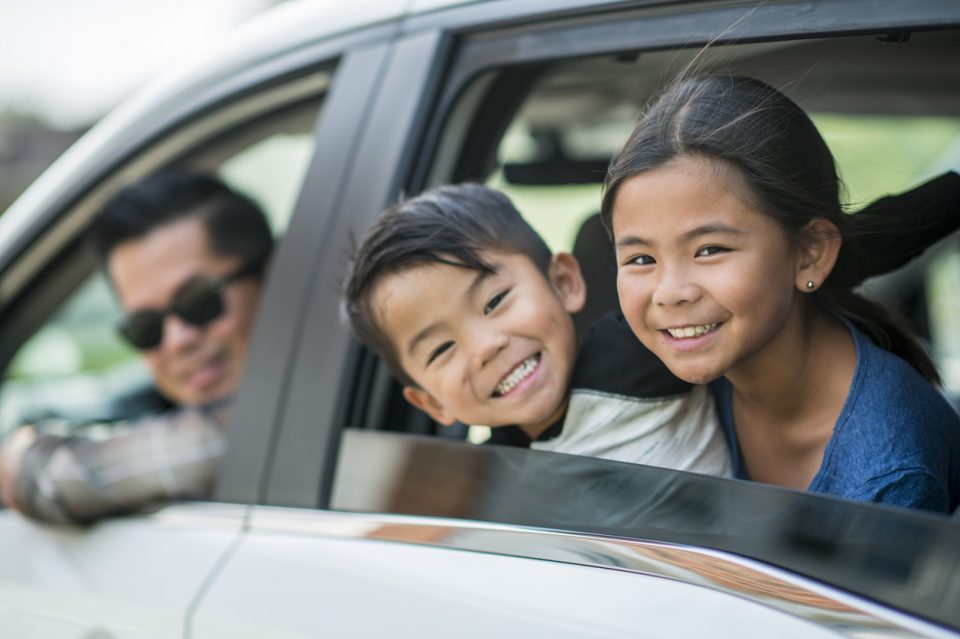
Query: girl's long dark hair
789	173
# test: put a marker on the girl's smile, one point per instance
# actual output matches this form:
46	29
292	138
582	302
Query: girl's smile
690	337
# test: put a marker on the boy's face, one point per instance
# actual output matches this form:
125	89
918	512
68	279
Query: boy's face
491	349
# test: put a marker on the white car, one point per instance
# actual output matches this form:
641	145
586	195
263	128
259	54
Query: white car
340	510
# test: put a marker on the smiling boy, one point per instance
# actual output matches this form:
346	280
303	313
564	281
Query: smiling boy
472	313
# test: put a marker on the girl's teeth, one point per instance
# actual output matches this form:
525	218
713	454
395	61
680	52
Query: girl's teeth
691	331
516	376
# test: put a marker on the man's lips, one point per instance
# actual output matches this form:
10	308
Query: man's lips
514	378
207	374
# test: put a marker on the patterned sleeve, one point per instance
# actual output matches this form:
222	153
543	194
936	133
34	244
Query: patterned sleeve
76	479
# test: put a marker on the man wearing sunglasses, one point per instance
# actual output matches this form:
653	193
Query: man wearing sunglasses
185	255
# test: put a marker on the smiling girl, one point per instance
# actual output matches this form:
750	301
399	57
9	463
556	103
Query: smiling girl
735	265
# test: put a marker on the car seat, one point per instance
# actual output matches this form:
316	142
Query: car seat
593	248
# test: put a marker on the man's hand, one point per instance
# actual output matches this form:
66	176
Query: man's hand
11	454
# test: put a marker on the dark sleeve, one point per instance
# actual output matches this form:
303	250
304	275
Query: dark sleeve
613	360
897	228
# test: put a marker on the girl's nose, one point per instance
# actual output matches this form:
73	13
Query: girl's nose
675	287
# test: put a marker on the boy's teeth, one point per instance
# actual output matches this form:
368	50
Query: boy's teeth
516	376
691	331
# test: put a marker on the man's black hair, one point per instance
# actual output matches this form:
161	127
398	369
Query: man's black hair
235	225
452	225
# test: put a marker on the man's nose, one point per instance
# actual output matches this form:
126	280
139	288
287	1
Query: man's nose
179	334
675	286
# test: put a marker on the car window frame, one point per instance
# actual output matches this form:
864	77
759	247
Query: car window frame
466	53
60	262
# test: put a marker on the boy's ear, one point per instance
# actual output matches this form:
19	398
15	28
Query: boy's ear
567	281
428	404
817	253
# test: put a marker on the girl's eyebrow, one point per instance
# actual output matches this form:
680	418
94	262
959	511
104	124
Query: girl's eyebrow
692	234
710	229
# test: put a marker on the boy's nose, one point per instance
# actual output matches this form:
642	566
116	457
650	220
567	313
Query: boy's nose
675	287
489	343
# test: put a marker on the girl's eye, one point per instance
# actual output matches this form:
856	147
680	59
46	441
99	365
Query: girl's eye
707	251
438	351
494	302
640	260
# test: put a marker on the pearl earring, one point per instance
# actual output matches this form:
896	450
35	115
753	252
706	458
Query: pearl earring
810	285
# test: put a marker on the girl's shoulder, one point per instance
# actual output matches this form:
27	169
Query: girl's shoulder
885	383
897	439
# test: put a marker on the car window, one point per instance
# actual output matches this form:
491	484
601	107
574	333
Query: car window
75	368
549	144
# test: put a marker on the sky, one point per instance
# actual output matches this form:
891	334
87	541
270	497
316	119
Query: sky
70	61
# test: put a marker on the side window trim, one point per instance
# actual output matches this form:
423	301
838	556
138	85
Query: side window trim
260	410
311	417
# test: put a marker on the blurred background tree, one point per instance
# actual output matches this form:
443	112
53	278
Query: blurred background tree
64	64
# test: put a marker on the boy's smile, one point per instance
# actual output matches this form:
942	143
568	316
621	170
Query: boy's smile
705	281
485	348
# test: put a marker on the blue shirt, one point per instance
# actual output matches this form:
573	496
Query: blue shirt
896	441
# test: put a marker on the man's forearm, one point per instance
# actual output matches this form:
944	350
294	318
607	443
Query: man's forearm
77	479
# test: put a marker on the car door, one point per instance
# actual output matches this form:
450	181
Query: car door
138	576
371	520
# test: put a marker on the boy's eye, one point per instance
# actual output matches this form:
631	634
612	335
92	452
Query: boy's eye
707	251
494	302
640	260
438	351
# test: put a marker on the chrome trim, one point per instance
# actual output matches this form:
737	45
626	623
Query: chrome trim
841	612
201	515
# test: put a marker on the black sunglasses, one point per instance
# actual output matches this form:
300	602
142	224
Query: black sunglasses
198	301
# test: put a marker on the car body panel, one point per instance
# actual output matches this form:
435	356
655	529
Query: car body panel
129	578
332	574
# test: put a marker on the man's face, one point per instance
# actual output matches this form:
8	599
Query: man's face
192	365
492	349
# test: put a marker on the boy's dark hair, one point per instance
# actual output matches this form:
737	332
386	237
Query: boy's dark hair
447	225
235	225
745	124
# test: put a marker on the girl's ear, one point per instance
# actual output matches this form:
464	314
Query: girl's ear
567	281
817	253
428	404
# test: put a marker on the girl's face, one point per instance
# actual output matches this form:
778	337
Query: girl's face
707	282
